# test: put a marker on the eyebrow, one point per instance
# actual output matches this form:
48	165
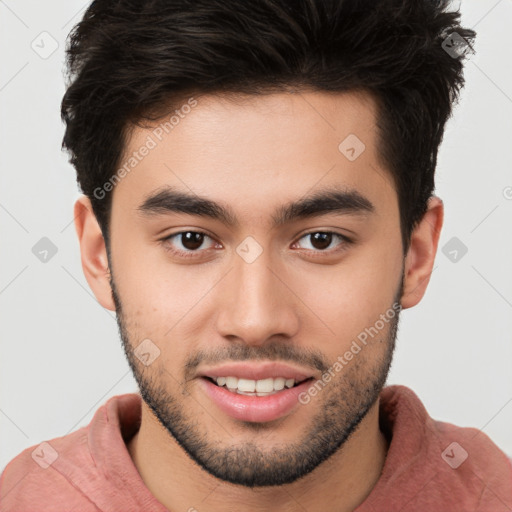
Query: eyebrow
326	201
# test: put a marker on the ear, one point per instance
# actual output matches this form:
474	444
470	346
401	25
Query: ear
93	252
422	252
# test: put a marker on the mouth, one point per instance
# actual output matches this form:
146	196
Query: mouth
252	387
260	392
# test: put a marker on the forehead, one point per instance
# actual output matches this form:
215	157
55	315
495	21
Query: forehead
252	148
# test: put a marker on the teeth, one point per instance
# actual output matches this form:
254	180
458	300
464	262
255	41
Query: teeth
246	385
261	387
231	382
279	383
265	385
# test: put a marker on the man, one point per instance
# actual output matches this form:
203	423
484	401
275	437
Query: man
258	209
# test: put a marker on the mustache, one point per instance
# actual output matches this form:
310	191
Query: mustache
276	351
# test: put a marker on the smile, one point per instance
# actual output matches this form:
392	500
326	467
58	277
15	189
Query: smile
250	387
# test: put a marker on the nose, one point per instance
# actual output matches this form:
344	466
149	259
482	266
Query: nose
256	303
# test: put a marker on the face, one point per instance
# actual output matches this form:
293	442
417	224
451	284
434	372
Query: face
249	249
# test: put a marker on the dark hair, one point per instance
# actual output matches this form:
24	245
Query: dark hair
131	60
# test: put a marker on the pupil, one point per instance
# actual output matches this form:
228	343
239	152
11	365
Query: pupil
321	240
191	240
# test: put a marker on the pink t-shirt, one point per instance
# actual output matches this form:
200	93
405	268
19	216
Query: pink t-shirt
431	466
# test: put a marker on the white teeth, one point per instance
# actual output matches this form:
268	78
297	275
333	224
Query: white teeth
265	385
261	387
246	385
231	382
279	383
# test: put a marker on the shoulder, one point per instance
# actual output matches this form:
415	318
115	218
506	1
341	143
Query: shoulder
36	478
73	470
462	464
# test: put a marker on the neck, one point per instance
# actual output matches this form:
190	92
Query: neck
346	478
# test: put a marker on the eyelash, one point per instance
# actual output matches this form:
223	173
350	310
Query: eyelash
192	254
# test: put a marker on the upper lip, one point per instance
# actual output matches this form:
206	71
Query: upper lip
256	371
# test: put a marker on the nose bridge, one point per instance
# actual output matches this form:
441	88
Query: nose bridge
256	285
257	305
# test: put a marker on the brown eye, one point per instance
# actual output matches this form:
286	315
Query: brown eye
323	241
188	243
192	240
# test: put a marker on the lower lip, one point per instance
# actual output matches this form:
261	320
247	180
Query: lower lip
254	408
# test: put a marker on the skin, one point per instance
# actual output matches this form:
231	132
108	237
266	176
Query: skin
255	155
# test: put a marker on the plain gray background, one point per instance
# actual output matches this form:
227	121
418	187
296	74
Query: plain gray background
61	357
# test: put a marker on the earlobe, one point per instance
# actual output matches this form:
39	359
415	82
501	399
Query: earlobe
422	251
93	252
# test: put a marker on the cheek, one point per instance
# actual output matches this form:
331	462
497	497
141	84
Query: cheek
351	296
161	301
152	284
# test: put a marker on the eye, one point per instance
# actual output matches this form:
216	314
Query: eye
189	244
319	241
186	243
